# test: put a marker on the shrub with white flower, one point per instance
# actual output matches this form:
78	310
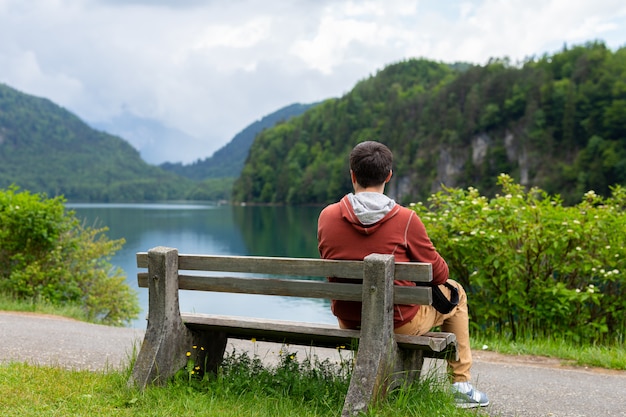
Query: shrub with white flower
532	265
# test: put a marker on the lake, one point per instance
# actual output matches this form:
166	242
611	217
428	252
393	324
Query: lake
218	230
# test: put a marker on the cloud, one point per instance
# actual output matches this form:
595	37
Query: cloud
210	68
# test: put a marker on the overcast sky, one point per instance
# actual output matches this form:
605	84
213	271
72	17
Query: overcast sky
210	68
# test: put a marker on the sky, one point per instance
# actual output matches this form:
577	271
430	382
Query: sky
210	68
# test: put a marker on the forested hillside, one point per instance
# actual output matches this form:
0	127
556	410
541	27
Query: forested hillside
228	160
557	122
45	148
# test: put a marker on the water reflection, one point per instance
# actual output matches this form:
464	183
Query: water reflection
279	231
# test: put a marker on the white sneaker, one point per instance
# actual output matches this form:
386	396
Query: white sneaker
469	397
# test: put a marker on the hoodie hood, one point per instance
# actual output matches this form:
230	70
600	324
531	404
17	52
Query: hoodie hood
367	210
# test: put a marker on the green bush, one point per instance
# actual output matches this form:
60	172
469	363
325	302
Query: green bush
533	266
47	255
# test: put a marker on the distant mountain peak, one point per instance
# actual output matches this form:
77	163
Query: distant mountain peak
228	160
156	142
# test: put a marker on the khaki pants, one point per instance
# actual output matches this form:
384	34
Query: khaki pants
457	322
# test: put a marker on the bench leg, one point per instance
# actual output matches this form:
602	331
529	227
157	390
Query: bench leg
162	354
377	355
371	377
408	367
209	350
167	339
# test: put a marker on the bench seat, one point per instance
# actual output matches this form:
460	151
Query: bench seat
433	344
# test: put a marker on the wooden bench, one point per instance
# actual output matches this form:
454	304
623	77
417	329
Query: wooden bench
384	359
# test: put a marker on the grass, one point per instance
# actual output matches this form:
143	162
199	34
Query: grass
243	387
569	352
8	303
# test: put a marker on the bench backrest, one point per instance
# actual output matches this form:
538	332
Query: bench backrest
275	276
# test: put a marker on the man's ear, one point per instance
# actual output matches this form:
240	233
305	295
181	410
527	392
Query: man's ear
389	176
352	177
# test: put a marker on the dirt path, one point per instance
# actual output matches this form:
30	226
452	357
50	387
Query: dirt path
516	385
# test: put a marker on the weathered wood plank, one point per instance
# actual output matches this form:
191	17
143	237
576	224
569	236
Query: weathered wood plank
406	271
291	288
266	265
308	334
434	344
314	334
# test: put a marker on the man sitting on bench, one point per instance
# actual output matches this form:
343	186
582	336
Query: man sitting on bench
368	221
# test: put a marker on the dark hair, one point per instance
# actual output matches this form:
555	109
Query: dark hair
371	163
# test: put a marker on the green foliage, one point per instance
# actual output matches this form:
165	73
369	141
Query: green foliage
307	383
533	266
212	189
554	122
47	255
312	381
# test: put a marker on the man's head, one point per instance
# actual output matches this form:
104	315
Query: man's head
370	163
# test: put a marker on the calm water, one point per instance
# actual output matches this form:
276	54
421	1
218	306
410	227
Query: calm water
218	230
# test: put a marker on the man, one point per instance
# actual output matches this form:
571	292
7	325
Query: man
367	221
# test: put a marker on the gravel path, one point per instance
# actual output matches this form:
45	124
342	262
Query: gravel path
517	386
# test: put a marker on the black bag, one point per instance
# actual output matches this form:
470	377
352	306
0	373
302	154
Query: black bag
441	303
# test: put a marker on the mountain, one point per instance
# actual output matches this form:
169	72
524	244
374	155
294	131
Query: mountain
556	122
45	148
155	142
228	160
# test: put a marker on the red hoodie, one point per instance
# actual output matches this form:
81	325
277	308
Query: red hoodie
401	233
